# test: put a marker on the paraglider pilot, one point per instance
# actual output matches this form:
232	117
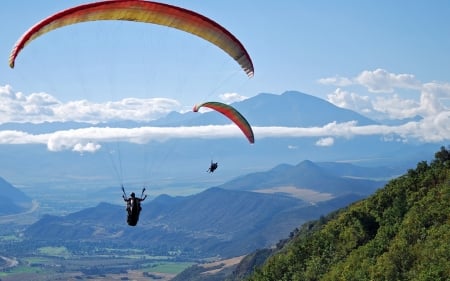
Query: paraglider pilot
133	206
213	167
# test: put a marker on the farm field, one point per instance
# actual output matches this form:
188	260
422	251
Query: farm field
58	263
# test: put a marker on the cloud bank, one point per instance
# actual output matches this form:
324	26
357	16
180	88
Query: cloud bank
386	101
383	100
43	107
232	97
90	139
376	81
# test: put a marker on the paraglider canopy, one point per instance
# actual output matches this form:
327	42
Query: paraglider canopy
141	11
232	114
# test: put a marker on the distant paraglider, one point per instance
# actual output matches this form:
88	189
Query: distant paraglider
232	114
141	11
212	167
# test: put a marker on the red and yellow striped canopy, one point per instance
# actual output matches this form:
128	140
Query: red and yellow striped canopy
141	11
232	114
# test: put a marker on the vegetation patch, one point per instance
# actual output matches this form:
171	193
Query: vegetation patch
36	260
20	270
168	267
9	238
54	251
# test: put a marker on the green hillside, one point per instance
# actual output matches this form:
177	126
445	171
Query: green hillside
402	232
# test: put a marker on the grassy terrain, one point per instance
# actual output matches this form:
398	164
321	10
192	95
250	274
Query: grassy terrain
167	267
9	238
54	252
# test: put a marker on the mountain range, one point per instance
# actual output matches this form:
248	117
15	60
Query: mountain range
237	217
329	178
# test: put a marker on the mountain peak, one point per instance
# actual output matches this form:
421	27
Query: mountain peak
307	163
294	108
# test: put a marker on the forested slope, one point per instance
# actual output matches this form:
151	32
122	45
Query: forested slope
402	232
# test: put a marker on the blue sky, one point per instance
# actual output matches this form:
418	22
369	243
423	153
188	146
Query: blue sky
385	59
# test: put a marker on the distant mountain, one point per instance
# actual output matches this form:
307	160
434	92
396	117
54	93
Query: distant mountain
295	109
13	200
42	128
349	170
290	109
332	178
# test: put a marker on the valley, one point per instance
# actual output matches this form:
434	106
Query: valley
57	263
76	234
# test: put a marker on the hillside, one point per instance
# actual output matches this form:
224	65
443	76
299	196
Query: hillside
13	200
399	233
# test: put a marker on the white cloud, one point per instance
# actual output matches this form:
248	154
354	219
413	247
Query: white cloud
125	109
382	81
87	147
19	137
42	107
436	129
325	141
430	98
88	139
232	97
376	81
396	107
336	81
350	100
431	102
427	130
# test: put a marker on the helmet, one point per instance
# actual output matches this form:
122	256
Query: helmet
132	194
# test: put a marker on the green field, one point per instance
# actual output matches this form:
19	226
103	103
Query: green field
51	263
54	252
9	238
21	269
168	267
